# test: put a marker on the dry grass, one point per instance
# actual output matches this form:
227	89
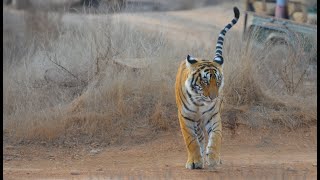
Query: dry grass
274	89
63	85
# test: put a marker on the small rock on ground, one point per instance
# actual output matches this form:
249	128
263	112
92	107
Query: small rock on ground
75	173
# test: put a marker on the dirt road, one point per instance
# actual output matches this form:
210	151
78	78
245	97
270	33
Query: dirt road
246	154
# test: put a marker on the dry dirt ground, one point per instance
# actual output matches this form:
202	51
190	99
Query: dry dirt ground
246	154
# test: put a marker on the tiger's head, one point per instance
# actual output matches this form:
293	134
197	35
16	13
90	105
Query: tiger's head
205	78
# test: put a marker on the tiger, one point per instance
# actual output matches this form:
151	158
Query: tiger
198	89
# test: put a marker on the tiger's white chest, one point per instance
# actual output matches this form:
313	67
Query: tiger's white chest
209	108
204	111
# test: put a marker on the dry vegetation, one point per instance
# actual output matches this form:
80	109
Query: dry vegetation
62	82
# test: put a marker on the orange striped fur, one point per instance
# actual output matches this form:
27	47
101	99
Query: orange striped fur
198	89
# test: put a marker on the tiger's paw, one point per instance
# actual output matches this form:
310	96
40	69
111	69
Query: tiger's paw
194	164
213	161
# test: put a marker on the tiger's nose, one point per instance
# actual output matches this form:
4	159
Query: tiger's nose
212	96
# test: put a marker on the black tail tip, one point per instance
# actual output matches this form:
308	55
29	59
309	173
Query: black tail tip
236	12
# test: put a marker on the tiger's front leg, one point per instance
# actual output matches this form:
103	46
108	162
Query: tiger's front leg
200	136
214	130
195	160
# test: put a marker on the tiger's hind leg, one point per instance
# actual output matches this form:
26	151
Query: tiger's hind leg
214	130
195	160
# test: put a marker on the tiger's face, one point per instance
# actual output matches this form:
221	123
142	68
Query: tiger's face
205	79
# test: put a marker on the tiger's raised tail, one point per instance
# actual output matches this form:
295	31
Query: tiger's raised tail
218	56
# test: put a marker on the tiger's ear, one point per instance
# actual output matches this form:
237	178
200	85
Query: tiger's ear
190	60
218	59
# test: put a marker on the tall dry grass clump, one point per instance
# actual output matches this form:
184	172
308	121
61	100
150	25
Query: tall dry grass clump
271	84
73	87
